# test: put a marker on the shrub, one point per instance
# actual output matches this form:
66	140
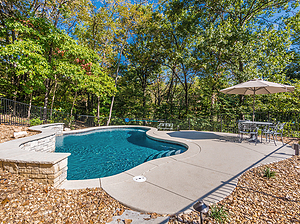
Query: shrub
35	121
219	213
268	173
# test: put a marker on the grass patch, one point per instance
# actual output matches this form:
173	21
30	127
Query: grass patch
268	173
219	213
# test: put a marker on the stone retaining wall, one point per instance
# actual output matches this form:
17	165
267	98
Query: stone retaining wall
34	156
53	174
46	144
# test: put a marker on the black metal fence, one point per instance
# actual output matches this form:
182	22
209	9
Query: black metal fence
22	114
17	113
229	122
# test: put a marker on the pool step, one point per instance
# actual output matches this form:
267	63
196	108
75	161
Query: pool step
162	154
170	153
177	152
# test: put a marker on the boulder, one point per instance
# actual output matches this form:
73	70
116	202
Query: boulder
20	134
17	129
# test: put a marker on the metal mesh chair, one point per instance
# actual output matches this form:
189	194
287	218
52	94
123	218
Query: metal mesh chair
243	129
278	129
249	129
254	132
267	130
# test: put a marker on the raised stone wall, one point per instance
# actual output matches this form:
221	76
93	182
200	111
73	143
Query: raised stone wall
34	156
53	174
46	144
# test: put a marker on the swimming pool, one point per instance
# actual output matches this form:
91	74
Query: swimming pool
106	152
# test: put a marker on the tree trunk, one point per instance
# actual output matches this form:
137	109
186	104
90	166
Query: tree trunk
98	110
92	102
158	92
53	97
110	109
186	89
29	109
46	99
144	102
87	103
71	114
169	94
116	79
144	86
241	97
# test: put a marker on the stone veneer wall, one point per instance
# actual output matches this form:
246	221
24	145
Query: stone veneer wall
51	172
45	144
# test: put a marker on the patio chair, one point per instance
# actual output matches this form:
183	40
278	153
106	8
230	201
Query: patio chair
243	129
267	130
249	129
278	129
165	126
254	132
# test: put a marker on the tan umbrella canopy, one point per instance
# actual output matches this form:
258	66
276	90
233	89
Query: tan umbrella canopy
257	86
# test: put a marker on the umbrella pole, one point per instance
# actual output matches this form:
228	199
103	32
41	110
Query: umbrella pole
253	106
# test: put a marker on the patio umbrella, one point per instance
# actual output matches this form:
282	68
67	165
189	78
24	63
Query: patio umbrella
257	86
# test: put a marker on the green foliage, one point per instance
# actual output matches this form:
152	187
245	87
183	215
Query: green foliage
166	62
219	213
35	121
268	173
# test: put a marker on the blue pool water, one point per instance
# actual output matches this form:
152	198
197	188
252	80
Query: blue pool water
108	152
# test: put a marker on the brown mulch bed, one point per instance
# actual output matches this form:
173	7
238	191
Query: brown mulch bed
7	132
25	201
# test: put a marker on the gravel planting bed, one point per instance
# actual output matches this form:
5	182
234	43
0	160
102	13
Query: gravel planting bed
7	132
24	201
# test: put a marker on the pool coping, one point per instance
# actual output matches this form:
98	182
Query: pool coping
192	149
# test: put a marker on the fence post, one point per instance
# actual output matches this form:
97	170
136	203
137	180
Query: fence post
221	123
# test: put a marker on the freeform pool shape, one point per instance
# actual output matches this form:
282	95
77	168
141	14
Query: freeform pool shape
106	152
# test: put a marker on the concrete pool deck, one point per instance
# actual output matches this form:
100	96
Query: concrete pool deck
209	170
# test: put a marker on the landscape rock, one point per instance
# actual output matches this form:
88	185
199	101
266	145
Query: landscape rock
18	129
20	134
7	132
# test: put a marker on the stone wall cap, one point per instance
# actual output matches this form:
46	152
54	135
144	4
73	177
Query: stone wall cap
23	156
11	152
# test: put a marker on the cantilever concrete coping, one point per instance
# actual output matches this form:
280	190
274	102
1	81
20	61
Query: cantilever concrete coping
11	151
127	176
192	148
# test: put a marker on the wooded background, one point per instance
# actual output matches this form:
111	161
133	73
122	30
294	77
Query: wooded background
164	60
